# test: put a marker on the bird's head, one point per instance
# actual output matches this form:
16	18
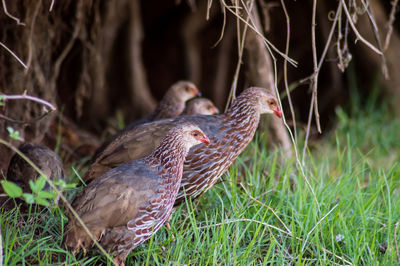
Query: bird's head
185	90
265	102
201	106
193	135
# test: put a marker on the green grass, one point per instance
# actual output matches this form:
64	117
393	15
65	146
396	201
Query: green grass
354	172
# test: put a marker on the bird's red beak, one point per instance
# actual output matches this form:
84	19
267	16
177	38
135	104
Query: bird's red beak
216	111
278	112
205	140
198	93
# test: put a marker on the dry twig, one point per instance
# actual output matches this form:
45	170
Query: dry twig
375	28
266	206
361	38
11	16
13	54
285	69
390	24
24	96
316	71
232	92
314	82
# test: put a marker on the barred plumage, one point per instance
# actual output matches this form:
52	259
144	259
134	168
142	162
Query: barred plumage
129	203
229	134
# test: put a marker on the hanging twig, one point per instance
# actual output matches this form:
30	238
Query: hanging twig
11	16
322	59
375	28
361	38
390	24
266	41
52	5
232	92
314	82
13	54
285	69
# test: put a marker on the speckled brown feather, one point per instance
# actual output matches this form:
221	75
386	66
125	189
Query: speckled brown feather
20	172
229	133
129	203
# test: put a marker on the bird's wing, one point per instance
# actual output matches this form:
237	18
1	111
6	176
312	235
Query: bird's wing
116	197
134	144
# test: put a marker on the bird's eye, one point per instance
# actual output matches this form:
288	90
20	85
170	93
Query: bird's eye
209	107
187	88
195	134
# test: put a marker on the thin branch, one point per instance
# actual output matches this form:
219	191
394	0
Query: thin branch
52	5
327	45
268	43
328	42
232	92
223	25
5	97
32	121
14	55
32	26
390	24
315	226
361	38
371	17
62	197
277	229
70	43
308	127
314	82
11	16
266	206
298	163
285	69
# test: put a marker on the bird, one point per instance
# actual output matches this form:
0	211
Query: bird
129	203
172	104
200	106
229	134
196	105
21	172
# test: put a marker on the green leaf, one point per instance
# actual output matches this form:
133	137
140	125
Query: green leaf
33	186
68	186
1	98
43	202
40	183
14	133
12	190
29	198
46	195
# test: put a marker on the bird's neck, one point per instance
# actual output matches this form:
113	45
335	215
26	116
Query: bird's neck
169	106
170	154
243	114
